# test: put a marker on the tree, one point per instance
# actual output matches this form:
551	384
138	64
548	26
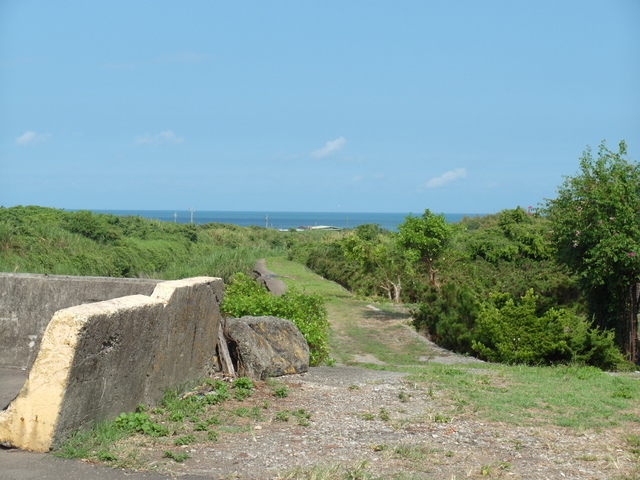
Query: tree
375	251
596	231
425	238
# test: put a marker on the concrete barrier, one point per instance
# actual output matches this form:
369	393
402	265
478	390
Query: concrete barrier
97	360
28	301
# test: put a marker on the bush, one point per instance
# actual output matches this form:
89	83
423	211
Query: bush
245	297
511	331
448	315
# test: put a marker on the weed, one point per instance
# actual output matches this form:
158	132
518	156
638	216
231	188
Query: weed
201	427
212	436
403	396
213	420
282	416
367	416
253	412
383	415
413	452
357	473
185	440
241	393
281	391
140	422
106	457
177	456
438	418
354	387
634	443
587	458
243	383
301	415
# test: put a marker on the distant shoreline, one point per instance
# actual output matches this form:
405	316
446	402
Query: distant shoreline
280	220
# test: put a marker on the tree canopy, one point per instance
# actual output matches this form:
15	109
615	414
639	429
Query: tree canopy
596	232
426	237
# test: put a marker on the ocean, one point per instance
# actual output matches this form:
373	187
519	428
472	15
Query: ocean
281	220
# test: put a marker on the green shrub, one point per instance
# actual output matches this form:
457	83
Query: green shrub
245	297
449	316
511	331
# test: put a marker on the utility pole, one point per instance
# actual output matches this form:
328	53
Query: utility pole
192	210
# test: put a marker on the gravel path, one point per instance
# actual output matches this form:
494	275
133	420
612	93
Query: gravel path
375	423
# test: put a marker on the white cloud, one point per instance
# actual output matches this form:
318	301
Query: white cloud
32	137
447	177
329	147
166	137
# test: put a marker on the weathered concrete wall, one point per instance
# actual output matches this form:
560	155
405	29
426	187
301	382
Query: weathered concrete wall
28	301
98	360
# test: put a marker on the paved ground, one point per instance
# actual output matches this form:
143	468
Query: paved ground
19	465
11	381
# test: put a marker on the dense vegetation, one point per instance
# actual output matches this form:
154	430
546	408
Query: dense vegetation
597	235
546	286
489	287
46	240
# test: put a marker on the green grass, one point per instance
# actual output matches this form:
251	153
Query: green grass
47	240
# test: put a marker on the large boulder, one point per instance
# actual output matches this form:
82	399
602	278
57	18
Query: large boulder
264	347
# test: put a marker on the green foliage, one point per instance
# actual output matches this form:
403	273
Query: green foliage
597	234
243	388
245	297
426	238
281	392
46	240
185	440
178	457
140	422
511	235
379	257
449	316
513	332
325	256
244	383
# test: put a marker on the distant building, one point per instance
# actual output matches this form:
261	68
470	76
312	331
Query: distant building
319	227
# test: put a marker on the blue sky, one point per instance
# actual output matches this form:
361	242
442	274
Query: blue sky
354	106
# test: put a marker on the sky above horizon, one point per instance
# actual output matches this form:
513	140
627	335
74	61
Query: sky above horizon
377	106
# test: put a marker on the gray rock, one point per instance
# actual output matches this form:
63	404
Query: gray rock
270	280
266	347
